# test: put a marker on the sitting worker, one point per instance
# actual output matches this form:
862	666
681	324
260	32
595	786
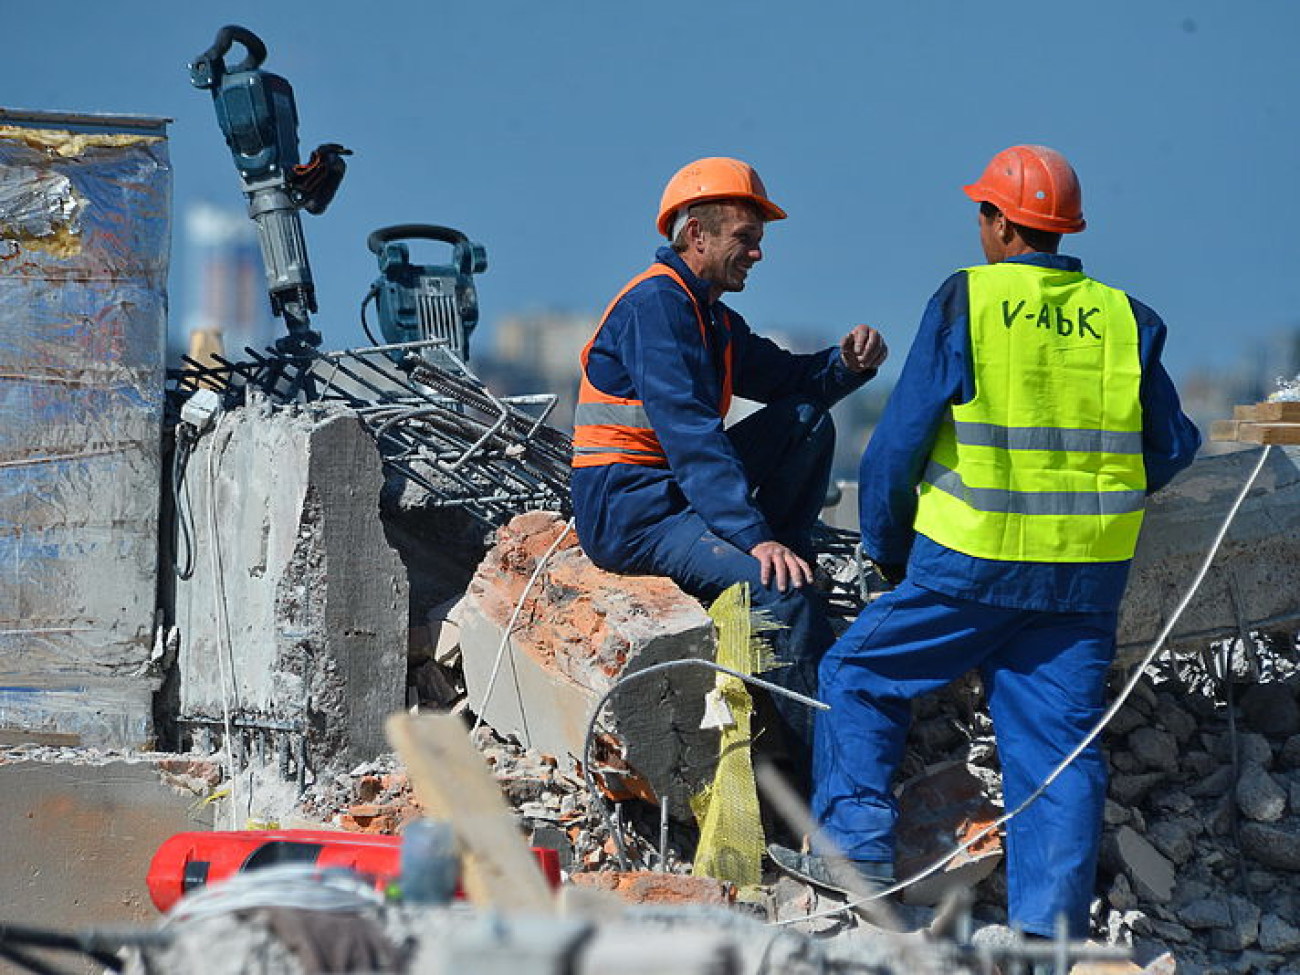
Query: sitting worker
1005	485
659	486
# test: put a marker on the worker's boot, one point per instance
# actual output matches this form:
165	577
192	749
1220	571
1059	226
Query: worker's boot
850	878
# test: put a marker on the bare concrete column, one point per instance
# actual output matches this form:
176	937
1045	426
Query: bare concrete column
295	621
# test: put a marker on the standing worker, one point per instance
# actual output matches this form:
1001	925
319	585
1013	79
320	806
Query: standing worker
1003	492
659	486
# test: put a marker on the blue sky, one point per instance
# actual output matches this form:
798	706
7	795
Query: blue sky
547	130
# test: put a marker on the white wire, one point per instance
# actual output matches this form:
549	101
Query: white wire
224	650
505	637
1090	737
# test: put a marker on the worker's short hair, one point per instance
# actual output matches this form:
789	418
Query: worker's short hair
1039	240
709	214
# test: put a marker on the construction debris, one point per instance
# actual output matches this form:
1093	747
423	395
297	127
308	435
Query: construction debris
365	531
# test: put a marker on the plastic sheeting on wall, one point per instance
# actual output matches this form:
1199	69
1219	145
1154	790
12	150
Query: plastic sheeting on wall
84	237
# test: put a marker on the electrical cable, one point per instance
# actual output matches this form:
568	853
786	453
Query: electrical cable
505	637
225	651
1088	739
92	944
365	325
589	777
184	449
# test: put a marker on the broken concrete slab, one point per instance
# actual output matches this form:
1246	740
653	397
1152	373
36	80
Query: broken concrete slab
294	622
578	630
646	887
1258	564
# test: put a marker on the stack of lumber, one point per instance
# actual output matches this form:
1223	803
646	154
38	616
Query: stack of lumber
1263	423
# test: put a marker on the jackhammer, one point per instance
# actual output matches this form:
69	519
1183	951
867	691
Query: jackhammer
259	120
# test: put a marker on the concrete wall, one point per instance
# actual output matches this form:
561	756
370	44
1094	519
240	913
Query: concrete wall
295	620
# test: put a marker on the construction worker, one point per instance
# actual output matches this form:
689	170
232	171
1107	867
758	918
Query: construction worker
1002	491
659	486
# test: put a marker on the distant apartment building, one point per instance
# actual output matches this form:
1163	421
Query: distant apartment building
537	352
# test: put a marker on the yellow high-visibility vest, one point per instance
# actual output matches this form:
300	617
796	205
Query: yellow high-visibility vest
1044	464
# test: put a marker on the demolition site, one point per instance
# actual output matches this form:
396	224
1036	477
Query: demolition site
306	669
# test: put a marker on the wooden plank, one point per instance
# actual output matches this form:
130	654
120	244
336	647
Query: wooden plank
453	782
1225	430
1283	434
1277	411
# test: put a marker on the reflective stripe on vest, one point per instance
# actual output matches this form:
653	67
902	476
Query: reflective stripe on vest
616	430
1045	463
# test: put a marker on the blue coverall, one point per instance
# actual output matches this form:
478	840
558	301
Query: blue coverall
724	491
1042	635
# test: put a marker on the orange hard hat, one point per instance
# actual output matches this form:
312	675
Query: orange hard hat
714	178
1034	186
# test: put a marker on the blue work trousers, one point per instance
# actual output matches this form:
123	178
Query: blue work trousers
1044	676
787	449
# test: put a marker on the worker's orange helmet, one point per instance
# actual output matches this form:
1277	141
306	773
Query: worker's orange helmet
1034	186
714	178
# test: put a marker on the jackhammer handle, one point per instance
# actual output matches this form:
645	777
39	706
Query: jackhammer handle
210	65
407	231
470	257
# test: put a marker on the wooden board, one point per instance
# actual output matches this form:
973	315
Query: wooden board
1268	412
453	782
1284	434
1261	423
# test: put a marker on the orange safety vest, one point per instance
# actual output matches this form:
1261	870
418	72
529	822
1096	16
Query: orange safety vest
614	430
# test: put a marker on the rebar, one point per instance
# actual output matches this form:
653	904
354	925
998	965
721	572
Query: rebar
438	428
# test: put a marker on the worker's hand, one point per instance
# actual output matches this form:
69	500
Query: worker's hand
863	348
781	564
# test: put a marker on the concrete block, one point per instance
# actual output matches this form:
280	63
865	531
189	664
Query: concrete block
579	631
296	616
